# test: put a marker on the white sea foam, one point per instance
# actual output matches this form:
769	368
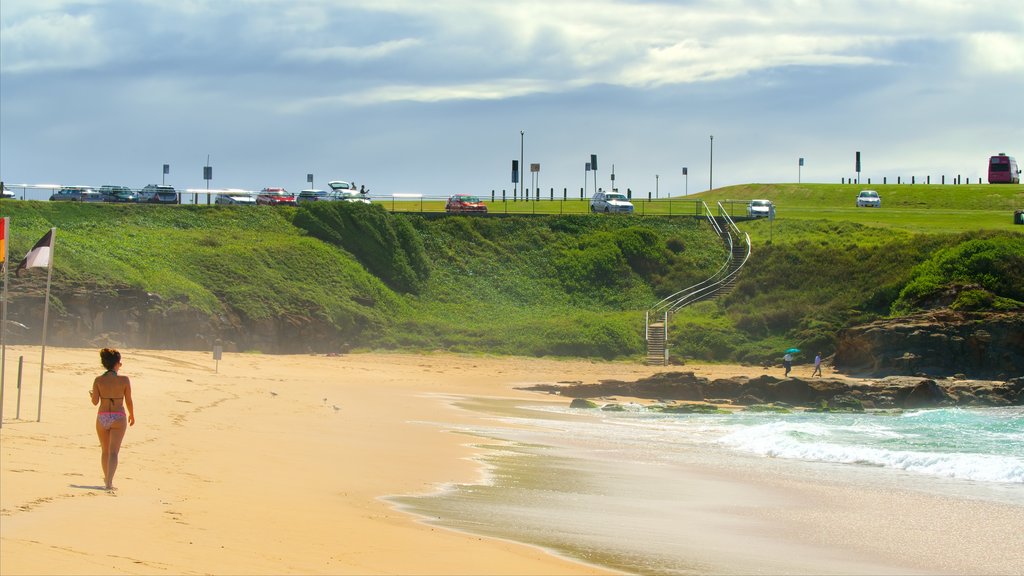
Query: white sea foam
813	442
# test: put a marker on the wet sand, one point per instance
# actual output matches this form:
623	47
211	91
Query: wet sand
282	464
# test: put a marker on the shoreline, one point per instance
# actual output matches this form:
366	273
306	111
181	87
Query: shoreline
264	465
279	464
719	511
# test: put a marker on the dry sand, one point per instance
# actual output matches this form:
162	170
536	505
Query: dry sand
268	465
278	464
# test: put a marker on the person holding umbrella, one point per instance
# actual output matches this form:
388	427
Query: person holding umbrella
787	360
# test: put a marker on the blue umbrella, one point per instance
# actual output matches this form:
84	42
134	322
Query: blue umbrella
792	351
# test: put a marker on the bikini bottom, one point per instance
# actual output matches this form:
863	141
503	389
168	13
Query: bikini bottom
108	419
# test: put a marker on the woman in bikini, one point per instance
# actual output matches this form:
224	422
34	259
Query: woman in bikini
112	393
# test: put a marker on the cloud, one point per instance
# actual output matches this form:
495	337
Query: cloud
352	53
52	42
995	53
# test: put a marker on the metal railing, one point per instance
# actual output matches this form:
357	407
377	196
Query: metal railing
720	280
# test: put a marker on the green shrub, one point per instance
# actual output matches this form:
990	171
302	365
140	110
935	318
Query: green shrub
385	243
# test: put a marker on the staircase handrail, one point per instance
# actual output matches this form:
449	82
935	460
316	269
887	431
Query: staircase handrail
720	280
678	299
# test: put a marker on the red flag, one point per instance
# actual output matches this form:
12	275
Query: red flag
40	254
3	240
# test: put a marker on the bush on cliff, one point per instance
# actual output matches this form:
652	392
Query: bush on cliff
993	263
386	244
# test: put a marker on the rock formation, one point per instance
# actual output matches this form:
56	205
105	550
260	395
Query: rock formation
890	392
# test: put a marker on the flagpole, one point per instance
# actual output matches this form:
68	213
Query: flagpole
5	225
46	314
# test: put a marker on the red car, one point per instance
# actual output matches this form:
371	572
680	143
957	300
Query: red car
464	203
276	197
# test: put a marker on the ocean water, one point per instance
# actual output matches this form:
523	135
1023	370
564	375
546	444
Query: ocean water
653	493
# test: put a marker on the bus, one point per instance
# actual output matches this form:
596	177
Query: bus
1002	169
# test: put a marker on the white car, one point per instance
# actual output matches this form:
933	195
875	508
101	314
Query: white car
869	199
235	197
351	196
346	192
760	209
610	202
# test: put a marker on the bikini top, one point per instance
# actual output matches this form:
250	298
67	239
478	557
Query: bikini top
111	398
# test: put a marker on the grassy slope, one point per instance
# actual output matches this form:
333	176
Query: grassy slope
574	285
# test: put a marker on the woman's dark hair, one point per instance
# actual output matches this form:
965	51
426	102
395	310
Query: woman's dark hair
110	357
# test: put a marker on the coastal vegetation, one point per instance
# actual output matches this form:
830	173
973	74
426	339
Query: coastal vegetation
561	285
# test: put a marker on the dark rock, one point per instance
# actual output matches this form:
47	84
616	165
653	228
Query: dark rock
846	402
582	403
748	400
927	394
695	408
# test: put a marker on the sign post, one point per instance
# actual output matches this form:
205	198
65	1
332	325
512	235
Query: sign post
218	352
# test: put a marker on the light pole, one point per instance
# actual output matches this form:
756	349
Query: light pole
655	186
207	175
711	168
522	139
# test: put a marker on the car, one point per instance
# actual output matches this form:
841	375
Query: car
111	193
610	202
5	193
341	185
869	199
460	203
235	198
760	208
353	196
159	194
275	197
312	195
76	194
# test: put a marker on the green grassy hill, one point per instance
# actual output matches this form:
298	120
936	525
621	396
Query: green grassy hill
544	285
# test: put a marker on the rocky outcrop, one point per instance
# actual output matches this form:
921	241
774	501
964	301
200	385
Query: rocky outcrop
936	343
891	392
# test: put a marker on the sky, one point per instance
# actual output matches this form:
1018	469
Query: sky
439	97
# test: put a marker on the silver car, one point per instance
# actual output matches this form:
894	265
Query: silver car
76	194
869	199
610	202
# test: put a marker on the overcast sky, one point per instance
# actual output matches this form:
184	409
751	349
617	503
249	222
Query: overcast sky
414	96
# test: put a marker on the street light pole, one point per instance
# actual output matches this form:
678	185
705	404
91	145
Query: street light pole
711	168
522	139
655	186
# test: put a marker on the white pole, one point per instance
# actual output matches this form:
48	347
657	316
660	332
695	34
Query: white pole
5	225
46	315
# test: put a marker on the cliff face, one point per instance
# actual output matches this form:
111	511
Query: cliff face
937	343
137	319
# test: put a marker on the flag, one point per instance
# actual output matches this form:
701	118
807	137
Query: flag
40	254
3	241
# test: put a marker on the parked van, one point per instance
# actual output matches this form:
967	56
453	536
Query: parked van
1002	169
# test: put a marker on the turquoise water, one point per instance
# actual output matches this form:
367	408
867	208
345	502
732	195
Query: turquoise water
654	493
984	445
981	445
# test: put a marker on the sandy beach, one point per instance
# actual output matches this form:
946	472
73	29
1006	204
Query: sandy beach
264	465
280	464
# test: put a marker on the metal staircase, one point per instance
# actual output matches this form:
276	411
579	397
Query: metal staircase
657	318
